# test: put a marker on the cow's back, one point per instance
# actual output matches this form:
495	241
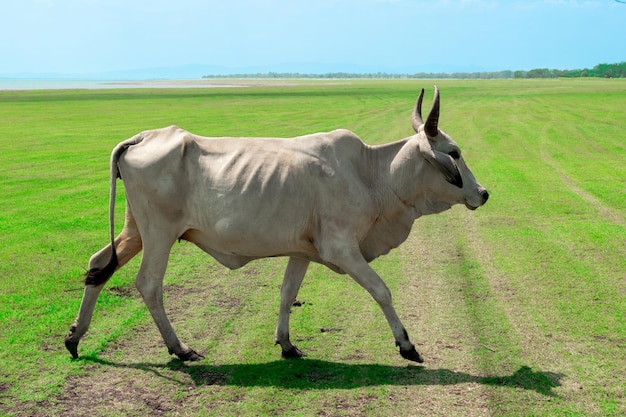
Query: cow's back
248	196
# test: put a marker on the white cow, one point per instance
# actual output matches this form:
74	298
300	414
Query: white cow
326	197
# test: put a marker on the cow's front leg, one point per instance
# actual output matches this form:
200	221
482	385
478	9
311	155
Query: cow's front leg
370	280
294	274
356	266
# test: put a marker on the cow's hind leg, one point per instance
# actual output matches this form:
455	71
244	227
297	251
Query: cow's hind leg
101	266
294	274
149	282
80	326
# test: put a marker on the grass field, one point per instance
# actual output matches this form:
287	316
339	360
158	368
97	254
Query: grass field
518	308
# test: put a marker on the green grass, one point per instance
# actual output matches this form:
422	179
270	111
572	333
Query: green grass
518	308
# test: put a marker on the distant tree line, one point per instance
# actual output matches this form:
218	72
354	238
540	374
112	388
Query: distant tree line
600	70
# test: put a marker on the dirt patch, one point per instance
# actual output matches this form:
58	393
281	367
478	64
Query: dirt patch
4	387
213	295
124	292
114	394
126	379
204	376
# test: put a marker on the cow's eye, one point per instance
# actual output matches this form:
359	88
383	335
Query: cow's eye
454	155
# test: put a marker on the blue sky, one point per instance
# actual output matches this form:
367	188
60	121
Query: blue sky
97	36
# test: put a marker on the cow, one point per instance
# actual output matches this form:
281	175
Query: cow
326	197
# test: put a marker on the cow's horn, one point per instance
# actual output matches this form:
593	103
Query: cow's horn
433	117
417	113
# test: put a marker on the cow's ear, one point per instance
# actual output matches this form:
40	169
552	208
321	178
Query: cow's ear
446	165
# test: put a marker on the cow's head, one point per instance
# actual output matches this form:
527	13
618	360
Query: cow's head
455	183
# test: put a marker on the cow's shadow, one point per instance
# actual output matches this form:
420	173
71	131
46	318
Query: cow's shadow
317	374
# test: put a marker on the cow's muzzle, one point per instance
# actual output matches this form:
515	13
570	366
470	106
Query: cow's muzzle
484	194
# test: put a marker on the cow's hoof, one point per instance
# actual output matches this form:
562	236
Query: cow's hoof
72	347
292	353
411	355
190	355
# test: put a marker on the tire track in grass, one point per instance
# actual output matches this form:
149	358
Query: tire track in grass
467	318
535	349
605	211
435	313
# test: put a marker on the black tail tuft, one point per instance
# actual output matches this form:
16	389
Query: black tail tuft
99	276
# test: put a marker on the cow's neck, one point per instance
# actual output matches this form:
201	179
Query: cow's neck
403	165
396	213
406	169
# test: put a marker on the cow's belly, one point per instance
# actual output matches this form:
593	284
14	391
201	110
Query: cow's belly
225	240
234	259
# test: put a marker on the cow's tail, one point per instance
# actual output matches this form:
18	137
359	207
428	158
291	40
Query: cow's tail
99	276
